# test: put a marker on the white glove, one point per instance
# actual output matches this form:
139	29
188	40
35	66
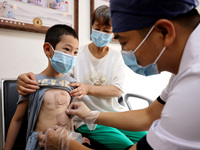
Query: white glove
84	113
57	138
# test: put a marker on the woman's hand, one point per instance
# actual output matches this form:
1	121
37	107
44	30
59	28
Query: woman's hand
26	83
81	90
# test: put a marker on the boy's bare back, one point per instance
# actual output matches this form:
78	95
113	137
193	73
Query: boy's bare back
52	111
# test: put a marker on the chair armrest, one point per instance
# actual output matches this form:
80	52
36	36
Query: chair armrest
136	96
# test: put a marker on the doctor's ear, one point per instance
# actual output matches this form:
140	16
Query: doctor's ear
47	49
167	30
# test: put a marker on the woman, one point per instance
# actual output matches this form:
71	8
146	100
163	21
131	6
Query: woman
100	75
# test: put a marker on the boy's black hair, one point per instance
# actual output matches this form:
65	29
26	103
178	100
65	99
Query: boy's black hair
55	33
102	14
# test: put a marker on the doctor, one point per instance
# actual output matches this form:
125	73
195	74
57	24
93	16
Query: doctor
156	36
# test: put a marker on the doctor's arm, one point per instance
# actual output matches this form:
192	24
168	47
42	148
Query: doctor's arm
135	120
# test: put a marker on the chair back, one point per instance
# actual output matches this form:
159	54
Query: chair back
9	105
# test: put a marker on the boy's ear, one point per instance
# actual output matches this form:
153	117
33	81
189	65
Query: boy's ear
47	49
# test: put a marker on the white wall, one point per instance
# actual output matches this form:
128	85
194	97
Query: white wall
22	52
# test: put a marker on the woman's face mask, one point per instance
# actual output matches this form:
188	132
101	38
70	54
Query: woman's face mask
101	39
62	62
131	61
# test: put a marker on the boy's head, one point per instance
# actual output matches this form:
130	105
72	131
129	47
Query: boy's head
61	45
55	33
62	38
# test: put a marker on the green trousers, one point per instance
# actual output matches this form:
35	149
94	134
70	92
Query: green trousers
112	138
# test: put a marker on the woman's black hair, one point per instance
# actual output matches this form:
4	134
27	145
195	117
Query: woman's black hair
55	33
102	15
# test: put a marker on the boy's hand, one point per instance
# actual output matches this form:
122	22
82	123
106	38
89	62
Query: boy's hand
81	90
26	83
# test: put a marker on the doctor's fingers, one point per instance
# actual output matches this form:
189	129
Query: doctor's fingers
71	112
79	109
41	138
74	108
74	105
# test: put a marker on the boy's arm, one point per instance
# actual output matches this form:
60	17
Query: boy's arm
15	124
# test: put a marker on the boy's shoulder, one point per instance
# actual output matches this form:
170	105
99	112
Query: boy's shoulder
64	77
69	78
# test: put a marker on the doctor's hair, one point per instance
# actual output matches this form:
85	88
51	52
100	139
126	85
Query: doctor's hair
187	20
55	33
102	15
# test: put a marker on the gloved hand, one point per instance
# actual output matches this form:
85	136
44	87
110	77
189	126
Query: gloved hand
84	113
56	138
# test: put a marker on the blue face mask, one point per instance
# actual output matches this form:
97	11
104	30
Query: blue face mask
62	62
131	61
101	39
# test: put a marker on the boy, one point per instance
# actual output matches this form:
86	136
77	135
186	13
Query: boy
46	106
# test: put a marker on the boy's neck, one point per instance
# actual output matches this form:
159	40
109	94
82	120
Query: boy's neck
50	72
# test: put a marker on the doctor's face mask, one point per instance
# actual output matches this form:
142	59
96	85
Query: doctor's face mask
131	60
62	62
